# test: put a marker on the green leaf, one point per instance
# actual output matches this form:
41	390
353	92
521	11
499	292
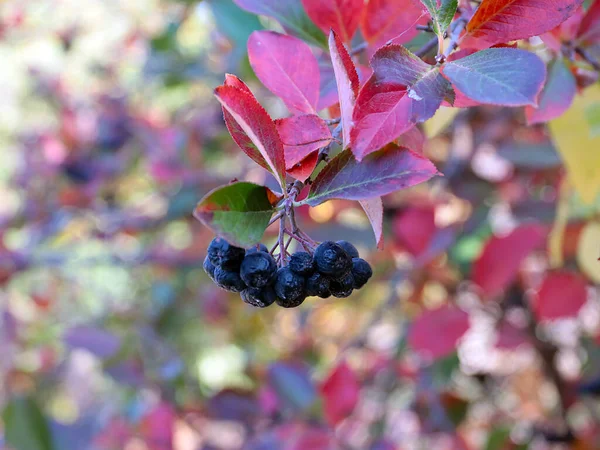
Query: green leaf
234	22
441	16
498	438
239	212
25	426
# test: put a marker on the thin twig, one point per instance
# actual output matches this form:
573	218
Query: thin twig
588	58
359	48
457	29
429	45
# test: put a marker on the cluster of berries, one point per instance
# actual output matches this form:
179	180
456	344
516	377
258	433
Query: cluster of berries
334	269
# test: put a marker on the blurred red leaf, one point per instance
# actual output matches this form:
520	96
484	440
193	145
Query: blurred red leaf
258	127
340	392
499	262
434	334
415	227
509	337
556	96
301	136
498	21
384	20
413	139
382	113
589	29
562	294
373	207
340	15
157	427
347	83
287	67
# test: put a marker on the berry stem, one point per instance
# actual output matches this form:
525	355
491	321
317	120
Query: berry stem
280	241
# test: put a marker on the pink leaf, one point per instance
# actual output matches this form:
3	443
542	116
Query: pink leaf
556	96
347	83
415	228
253	127
374	209
562	294
302	135
384	20
287	67
340	392
382	113
413	139
435	333
157	427
340	15
499	263
589	30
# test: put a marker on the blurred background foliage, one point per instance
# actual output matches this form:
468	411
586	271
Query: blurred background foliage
112	336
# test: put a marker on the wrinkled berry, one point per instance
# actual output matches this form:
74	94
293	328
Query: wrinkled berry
343	287
261	248
209	268
222	253
258	269
302	263
332	260
289	287
361	271
317	285
261	298
230	281
349	248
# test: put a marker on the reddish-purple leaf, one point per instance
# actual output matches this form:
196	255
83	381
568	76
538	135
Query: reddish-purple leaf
232	80
382	113
556	96
257	125
499	21
340	392
373	207
384	20
286	66
157	427
415	227
383	172
509	337
498	76
435	333
413	139
589	29
98	341
562	294
302	135
347	83
328	95
500	260
341	16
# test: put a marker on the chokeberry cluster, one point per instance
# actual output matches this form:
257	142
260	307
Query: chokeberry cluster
334	268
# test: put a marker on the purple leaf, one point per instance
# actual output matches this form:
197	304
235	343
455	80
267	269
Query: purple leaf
498	76
95	340
286	66
383	172
557	95
293	386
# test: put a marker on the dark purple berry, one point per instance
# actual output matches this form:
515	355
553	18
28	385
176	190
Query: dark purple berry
289	287
230	281
261	298
317	285
258	269
350	249
257	248
302	263
343	287
361	271
332	260
222	253
209	268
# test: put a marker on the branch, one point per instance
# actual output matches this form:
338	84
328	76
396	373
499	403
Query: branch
457	28
430	45
588	58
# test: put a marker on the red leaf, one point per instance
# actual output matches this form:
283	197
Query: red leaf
509	337
302	135
415	228
287	67
328	95
252	119
589	30
302	170
434	334
340	15
562	294
384	20
232	80
374	209
499	263
556	96
498	21
382	113
157	427
413	139
340	392
347	83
